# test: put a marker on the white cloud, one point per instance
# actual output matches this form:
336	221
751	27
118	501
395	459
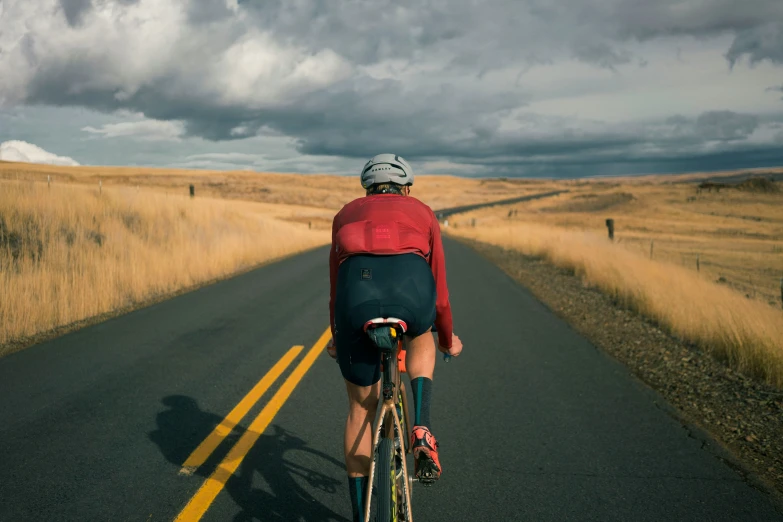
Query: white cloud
24	152
151	130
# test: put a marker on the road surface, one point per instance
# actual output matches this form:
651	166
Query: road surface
444	213
535	423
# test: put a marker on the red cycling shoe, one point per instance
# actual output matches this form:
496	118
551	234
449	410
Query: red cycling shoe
425	455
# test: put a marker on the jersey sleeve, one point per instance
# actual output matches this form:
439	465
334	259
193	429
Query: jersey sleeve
333	265
443	319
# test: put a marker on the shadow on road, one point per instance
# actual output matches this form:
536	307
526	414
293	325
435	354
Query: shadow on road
275	478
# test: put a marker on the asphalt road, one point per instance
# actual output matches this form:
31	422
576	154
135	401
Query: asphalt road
446	212
535	423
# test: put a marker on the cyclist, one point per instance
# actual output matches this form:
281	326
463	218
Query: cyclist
387	260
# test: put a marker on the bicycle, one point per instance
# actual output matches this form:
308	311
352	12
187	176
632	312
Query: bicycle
391	428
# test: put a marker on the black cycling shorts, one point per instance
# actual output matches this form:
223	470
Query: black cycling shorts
370	286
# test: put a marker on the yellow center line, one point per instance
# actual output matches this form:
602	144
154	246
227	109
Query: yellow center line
221	431
206	494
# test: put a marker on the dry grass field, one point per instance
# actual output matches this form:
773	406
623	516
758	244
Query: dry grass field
730	306
69	253
322	191
76	249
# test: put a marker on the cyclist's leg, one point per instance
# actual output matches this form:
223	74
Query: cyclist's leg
359	361
363	396
362	405
418	296
420	356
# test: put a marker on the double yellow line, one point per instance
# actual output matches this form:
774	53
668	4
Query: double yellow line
206	494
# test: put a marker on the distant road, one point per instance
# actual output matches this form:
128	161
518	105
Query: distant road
535	424
446	212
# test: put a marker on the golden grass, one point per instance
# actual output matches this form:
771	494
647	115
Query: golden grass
69	253
312	190
738	237
746	333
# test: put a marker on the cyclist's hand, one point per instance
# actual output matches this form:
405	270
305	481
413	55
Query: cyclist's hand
331	349
456	346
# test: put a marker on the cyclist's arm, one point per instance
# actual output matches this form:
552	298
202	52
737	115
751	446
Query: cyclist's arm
333	264
443	320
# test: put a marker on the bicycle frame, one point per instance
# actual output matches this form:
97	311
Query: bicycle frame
387	424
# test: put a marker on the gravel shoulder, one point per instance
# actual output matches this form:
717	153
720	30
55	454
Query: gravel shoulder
743	417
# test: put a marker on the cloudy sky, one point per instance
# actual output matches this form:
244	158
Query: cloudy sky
476	87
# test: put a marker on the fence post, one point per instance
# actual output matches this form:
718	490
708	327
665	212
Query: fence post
781	291
192	191
610	226
48	182
652	244
100	186
473	222
698	269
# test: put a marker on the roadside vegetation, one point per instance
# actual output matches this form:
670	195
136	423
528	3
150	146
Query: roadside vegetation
314	190
80	242
726	304
101	239
72	252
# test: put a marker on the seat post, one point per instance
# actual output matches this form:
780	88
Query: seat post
388	384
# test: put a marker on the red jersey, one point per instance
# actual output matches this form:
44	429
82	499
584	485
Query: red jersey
392	224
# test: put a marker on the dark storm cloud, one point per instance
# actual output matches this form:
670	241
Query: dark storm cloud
760	43
202	12
74	10
377	29
726	125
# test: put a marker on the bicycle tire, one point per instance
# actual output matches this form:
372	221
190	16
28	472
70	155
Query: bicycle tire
387	481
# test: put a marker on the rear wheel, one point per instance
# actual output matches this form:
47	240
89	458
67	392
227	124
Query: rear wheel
387	494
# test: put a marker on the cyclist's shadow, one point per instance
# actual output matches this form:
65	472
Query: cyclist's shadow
272	482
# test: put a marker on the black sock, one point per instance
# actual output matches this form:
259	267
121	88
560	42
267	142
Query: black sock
357	486
422	391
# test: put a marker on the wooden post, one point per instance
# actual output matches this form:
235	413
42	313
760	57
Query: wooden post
48	182
473	222
100	186
309	224
652	244
781	291
698	269
192	191
610	226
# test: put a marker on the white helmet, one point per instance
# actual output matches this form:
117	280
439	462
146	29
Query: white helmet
387	168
